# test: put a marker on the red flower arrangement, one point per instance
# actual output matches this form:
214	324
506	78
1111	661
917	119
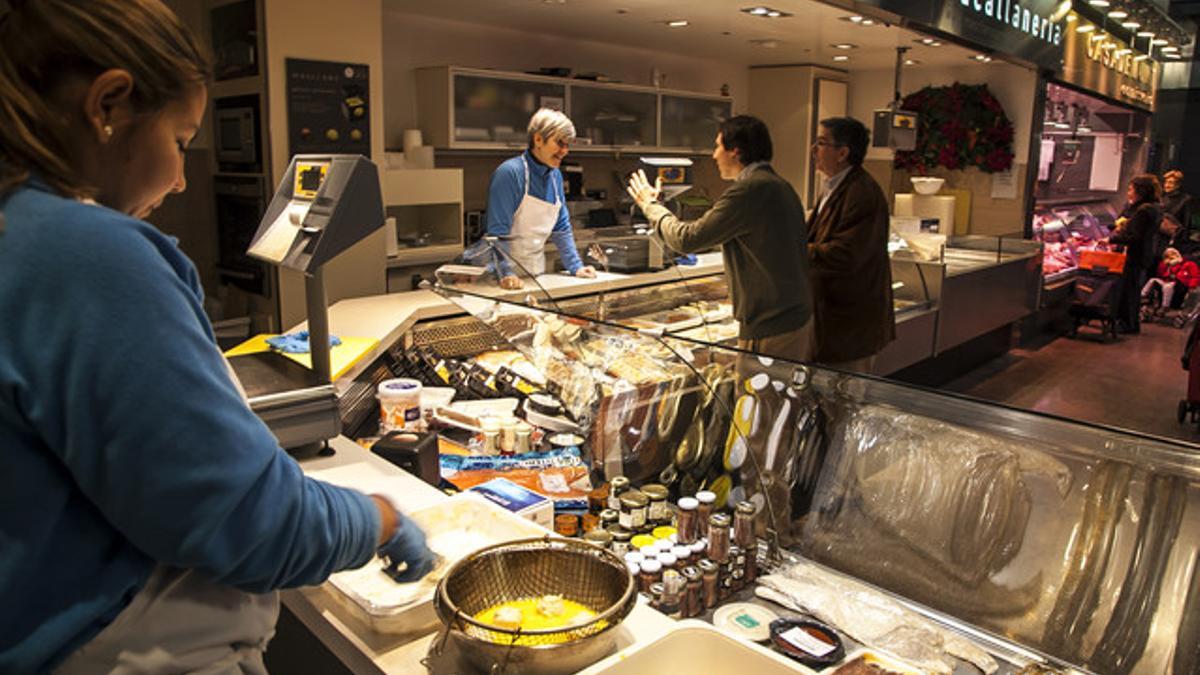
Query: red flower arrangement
961	125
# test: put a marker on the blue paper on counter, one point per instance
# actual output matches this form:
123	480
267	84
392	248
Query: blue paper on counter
687	259
559	457
297	343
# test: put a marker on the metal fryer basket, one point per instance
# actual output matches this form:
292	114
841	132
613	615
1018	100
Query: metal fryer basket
530	568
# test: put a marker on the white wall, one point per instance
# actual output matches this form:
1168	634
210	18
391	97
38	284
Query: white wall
413	41
1012	85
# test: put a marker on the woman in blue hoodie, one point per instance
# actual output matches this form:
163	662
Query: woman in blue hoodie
146	514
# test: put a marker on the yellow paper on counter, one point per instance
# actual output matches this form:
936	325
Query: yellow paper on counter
341	357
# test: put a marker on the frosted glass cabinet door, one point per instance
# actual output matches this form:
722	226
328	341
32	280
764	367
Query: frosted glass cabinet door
692	122
611	117
493	110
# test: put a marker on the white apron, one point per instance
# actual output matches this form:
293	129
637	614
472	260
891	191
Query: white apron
531	226
181	622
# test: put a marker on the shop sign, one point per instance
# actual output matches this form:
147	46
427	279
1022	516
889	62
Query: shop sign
1110	67
1025	29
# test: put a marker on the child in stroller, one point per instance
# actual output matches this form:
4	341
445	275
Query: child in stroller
1166	291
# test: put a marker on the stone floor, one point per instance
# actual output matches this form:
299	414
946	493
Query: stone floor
1134	383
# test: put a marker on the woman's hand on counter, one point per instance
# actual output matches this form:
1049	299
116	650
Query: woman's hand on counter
586	272
512	283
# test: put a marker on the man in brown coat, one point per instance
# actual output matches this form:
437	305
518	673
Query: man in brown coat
847	251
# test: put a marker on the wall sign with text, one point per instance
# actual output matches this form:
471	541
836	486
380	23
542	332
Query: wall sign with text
1026	29
1110	67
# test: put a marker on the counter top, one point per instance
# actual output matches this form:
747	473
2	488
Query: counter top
387	317
364	650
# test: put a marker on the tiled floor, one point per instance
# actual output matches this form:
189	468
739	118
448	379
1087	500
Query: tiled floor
1134	383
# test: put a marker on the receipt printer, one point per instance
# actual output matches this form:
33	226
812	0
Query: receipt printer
324	205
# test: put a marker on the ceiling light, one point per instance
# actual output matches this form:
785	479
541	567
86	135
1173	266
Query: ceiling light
854	19
774	14
1167	50
868	22
841	57
935	43
1173	56
1159	41
844	45
1085	28
1145	33
678	23
926	41
1099	3
911	62
1098	36
757	11
767	12
982	58
1130	24
1118	14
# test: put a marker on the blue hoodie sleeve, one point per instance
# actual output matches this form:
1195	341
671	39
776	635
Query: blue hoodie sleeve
504	196
127	386
562	235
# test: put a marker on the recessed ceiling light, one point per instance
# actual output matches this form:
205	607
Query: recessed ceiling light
982	58
1085	28
1099	3
1118	14
1159	41
867	22
1173	56
844	45
1170	49
911	62
854	19
841	57
1145	33
677	23
764	12
1130	24
926	41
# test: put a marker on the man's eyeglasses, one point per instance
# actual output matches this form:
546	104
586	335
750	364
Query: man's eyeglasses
826	143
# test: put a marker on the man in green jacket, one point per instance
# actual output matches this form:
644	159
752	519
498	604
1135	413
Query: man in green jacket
759	224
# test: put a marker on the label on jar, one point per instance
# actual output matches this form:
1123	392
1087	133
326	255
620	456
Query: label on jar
633	519
802	640
659	510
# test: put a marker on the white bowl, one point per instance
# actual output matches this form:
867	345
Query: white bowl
927	185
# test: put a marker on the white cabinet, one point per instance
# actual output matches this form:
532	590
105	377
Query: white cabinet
465	109
425	215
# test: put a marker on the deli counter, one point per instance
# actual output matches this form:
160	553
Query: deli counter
956	535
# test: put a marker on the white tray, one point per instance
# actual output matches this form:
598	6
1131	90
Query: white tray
694	646
454	529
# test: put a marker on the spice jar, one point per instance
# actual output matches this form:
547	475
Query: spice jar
743	524
656	593
672	594
699	548
599	538
598	499
705	502
659	513
668	561
751	567
651	574
634	569
566	524
633	509
693	593
589	522
621	537
689	526
664	532
718	537
609	517
616	488
709	573
641	541
634	557
737	566
683	554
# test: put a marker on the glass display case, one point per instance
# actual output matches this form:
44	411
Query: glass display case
1042	540
1065	230
692	123
605	116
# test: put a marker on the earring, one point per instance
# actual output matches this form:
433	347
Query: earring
108	130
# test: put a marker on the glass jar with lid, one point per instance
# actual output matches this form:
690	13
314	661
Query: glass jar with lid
659	513
633	509
616	488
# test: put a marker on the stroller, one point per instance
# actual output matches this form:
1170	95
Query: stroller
1097	291
1189	408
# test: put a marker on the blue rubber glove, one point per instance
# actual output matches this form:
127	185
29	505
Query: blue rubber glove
687	259
408	557
297	343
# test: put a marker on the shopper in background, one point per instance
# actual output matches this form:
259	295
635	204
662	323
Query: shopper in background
527	203
1173	279
759	224
847	246
1172	235
1137	231
1176	202
148	513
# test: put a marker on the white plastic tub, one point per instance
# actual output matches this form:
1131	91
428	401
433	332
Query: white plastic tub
694	646
454	529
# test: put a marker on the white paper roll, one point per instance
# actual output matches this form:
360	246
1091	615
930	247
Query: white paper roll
412	140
